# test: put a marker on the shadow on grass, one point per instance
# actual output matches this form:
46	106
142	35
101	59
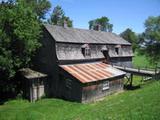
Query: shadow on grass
131	87
3	101
5	96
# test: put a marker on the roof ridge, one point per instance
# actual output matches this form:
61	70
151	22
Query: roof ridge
80	29
78	35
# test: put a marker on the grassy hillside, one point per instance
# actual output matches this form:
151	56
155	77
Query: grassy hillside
141	104
142	62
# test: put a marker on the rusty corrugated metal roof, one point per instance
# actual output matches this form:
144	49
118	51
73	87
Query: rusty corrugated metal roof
90	72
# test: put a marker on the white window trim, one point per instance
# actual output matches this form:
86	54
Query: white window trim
87	52
105	85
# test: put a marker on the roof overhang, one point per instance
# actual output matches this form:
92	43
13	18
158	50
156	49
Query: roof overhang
31	74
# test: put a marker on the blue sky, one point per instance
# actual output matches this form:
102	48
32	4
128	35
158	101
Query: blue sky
122	13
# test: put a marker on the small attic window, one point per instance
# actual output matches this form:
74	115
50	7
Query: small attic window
117	48
105	52
86	50
117	51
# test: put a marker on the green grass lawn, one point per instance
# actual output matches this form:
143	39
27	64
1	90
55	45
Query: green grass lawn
140	104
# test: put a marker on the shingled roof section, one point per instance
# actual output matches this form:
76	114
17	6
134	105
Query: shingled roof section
74	35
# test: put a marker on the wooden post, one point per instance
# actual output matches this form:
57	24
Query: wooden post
156	69
31	90
146	68
155	72
131	79
31	93
38	89
142	79
138	69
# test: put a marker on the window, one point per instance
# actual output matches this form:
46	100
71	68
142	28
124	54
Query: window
117	51
68	83
86	50
105	52
105	85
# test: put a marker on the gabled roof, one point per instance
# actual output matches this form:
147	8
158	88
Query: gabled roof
74	35
91	72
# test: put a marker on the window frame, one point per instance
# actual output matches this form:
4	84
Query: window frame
86	51
105	85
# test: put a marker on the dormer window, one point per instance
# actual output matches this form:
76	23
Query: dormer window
86	50
117	49
105	52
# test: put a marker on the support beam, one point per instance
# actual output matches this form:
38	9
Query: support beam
131	79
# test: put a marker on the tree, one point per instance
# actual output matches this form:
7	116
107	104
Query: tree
68	20
40	7
19	38
58	17
152	39
131	37
103	22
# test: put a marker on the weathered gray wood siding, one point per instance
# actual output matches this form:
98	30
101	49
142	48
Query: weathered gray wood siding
72	52
66	51
124	58
46	62
122	61
93	92
124	51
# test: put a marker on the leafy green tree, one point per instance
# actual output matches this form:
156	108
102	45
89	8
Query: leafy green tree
152	39
103	22
68	20
19	37
131	37
58	17
40	7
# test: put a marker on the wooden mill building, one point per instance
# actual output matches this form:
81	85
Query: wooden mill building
78	62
